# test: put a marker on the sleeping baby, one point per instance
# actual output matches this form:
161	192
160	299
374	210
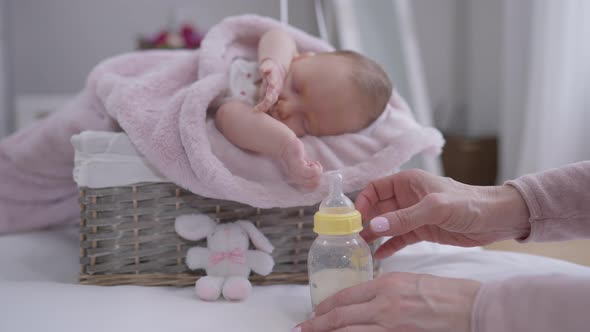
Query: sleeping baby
287	95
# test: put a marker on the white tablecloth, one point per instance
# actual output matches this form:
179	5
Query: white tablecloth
38	290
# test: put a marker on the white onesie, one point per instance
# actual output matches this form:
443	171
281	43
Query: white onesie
243	76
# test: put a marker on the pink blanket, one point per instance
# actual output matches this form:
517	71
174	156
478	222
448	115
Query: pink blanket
160	100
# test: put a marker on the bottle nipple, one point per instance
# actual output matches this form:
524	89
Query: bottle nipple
336	202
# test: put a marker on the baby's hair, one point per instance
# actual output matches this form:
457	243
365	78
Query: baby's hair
371	80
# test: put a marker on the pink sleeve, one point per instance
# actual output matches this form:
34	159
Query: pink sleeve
533	303
559	205
558	202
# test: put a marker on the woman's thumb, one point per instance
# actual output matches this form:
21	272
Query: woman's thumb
406	220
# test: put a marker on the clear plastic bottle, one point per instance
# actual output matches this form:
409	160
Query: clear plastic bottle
339	257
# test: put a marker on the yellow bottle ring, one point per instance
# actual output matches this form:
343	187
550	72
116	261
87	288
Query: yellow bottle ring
337	224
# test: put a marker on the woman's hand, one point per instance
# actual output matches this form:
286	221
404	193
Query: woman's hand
397	302
414	206
273	77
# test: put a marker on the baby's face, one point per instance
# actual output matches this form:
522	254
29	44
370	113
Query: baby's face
319	98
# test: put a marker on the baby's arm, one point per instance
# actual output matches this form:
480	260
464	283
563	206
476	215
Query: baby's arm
279	46
254	131
276	50
259	132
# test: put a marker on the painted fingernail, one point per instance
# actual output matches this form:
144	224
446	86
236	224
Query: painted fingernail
296	329
380	224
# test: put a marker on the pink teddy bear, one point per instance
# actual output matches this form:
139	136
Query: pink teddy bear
227	258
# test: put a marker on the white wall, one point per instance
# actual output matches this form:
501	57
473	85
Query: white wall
55	50
51	50
442	41
54	44
373	31
3	103
515	52
461	43
442	44
484	66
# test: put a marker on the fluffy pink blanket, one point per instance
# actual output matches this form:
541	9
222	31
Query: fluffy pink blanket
160	100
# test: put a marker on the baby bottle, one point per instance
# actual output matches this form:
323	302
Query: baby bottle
338	258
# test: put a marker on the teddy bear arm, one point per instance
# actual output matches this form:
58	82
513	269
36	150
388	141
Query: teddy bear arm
259	261
197	258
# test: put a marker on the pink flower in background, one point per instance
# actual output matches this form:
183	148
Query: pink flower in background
192	38
187	36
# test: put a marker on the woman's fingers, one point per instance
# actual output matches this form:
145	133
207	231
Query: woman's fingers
354	328
339	318
404	302
376	191
354	295
396	244
361	328
377	198
431	210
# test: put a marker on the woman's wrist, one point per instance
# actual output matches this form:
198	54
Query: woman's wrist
508	212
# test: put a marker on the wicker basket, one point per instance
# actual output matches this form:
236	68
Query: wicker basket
127	235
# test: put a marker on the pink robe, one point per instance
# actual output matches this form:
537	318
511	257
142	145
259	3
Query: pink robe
559	205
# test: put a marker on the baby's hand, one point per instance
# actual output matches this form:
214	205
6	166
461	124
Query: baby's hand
303	173
273	76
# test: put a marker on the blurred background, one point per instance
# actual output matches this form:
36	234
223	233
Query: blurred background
507	82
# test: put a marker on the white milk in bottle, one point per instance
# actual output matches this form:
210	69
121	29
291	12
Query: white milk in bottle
339	257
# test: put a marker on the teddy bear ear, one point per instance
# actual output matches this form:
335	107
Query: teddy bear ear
194	227
258	239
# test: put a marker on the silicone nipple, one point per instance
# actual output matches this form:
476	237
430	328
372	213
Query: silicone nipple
336	202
